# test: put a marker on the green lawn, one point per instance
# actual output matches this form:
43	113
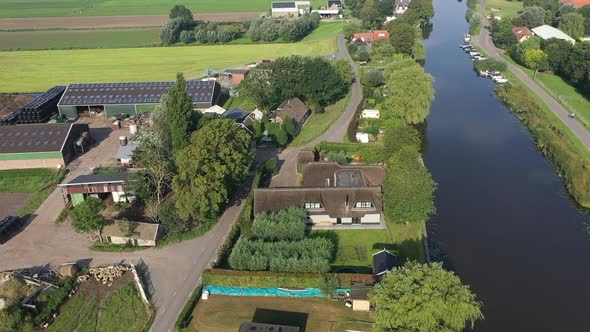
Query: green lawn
121	311
26	180
76	39
28	71
46	8
242	102
326	29
506	8
320	122
408	240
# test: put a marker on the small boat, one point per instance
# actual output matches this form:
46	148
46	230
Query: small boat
501	80
466	45
467	38
484	73
474	53
468	49
479	58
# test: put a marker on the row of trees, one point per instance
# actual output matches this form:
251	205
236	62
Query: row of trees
284	225
181	20
315	80
269	29
307	255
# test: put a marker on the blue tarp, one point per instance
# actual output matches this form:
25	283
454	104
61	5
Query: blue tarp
244	291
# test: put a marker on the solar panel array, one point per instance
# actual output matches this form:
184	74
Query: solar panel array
132	93
46	97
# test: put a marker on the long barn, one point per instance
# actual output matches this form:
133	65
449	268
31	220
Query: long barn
111	99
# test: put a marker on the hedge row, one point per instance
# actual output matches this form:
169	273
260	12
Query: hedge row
286	224
368	153
307	255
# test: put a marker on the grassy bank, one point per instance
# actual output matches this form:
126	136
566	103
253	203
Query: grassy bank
44	8
78	39
503	8
22	69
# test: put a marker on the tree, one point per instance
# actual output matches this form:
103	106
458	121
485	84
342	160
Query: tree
86	215
573	24
364	55
552	5
577	68
370	11
502	33
373	78
343	69
329	283
179	113
558	51
180	11
518	52
423	297
350	29
408	188
170	31
289	126
396	138
169	219
535	60
187	37
278	134
217	159
402	36
410	91
533	16
424	9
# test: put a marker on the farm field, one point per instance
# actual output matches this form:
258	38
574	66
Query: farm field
78	39
225	313
57	8
39	70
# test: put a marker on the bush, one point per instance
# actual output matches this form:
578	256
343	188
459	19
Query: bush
259	279
369	153
307	255
54	301
187	37
491	64
338	157
329	283
286	225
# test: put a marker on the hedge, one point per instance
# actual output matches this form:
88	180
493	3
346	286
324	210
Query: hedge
186	313
267	279
369	153
288	224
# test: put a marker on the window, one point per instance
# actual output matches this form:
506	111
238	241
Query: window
363	205
313	205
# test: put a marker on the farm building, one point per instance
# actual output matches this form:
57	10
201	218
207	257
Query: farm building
96	185
548	32
38	110
143	235
110	99
287	9
41	145
234	76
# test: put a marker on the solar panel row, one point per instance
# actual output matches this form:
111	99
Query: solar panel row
50	94
134	84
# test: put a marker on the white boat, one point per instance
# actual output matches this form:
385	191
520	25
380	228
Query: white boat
466	45
467	38
484	73
501	80
479	58
474	53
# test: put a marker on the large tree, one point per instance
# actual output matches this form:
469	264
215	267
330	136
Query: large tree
398	137
410	91
424	9
572	24
402	36
533	16
210	167
558	51
179	113
408	188
170	31
502	33
180	11
535	59
423	297
86	217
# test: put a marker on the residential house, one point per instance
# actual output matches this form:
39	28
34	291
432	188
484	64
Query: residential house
294	109
383	262
140	234
370	114
333	4
237	114
522	33
548	32
333	9
332	194
369	37
400	6
96	185
289	9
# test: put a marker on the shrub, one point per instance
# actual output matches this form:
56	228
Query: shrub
338	157
368	153
490	64
54	301
187	36
286	224
329	283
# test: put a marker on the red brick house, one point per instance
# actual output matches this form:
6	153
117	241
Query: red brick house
369	37
522	33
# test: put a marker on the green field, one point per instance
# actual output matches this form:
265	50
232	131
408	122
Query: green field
53	8
506	8
78	39
121	311
27	71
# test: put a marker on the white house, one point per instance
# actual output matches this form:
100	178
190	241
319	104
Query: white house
370	114
362	137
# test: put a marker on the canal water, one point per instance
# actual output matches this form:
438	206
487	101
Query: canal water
504	219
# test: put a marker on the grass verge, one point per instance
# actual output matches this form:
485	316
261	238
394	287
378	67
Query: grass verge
109	247
186	314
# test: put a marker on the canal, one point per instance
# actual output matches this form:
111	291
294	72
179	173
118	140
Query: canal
504	219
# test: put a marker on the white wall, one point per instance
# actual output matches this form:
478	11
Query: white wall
371	219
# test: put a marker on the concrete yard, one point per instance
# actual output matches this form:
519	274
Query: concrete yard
10	203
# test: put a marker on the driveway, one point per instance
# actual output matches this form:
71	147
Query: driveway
484	40
287	176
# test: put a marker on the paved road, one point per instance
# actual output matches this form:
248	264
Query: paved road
288	158
484	40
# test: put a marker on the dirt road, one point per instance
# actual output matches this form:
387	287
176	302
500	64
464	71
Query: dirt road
93	22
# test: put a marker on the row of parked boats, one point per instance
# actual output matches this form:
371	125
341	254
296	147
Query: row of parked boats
496	76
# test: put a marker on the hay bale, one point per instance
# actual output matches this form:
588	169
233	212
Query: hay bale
69	270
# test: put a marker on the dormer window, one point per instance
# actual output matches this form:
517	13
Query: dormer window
313	205
364	205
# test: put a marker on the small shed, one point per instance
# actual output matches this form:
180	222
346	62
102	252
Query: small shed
370	114
140	235
362	137
360	299
383	262
94	185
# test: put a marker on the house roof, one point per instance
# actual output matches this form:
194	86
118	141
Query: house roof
126	151
293	108
237	114
521	32
96	179
547	32
337	202
132	93
368	37
215	109
284	4
27	138
143	231
260	327
316	173
576	3
384	261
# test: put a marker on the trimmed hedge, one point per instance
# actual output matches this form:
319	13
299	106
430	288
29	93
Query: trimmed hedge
307	255
186	313
288	224
369	153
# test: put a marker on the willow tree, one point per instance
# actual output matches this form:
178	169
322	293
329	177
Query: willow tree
410	91
423	297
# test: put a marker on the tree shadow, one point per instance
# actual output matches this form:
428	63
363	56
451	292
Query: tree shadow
279	317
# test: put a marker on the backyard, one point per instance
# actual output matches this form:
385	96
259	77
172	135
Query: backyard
22	68
49	8
226	313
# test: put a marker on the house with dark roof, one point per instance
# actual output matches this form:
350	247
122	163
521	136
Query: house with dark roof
383	262
96	185
522	33
334	4
293	109
47	145
332	194
237	114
